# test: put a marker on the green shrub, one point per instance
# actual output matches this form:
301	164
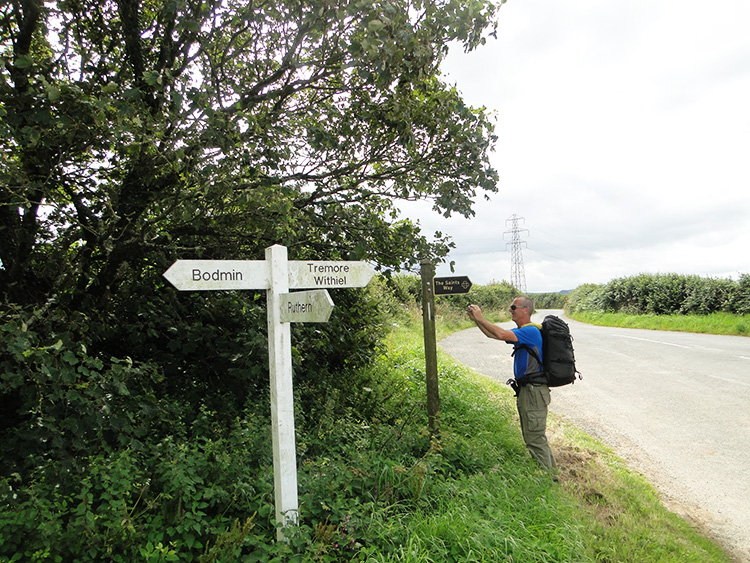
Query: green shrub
664	294
173	501
588	297
493	297
739	299
405	288
63	404
549	300
704	296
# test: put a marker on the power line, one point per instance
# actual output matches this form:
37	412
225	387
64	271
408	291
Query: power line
517	275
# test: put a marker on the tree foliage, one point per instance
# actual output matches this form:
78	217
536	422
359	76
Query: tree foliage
136	132
219	128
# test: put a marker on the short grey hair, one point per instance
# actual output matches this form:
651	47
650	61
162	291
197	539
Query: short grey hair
527	302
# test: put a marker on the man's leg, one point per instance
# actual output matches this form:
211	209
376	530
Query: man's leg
532	409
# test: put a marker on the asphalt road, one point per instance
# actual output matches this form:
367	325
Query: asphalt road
675	406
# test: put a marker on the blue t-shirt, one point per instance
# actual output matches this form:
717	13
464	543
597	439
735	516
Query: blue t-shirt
523	362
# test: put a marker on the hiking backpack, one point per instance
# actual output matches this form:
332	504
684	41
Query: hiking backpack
559	363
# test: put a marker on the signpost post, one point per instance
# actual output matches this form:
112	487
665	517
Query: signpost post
427	272
277	275
432	286
282	398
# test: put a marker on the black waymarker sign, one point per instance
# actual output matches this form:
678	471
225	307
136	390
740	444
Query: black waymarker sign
448	286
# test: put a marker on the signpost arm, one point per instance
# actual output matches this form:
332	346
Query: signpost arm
282	397
430	345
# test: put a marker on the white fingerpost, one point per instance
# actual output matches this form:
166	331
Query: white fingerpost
277	274
282	396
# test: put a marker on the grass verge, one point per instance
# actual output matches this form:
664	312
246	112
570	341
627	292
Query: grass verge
474	494
715	323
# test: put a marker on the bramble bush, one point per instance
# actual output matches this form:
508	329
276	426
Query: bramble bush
172	501
204	492
61	403
165	455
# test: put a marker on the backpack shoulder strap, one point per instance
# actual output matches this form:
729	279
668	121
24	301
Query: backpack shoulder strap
530	350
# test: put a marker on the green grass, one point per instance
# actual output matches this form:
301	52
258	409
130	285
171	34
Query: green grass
494	504
715	323
474	495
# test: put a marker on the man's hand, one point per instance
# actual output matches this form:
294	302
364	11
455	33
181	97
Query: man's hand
474	312
490	330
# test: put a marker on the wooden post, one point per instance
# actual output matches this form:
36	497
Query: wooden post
282	396
430	346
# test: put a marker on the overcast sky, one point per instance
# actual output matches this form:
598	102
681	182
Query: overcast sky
624	141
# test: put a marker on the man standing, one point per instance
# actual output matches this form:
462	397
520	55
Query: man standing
532	392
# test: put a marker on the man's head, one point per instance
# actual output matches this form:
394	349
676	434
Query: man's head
521	309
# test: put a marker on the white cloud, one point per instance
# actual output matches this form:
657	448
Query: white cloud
624	141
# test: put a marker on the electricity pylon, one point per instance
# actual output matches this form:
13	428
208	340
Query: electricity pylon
517	275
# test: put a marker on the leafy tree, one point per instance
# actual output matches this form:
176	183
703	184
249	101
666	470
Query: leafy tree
136	132
135	129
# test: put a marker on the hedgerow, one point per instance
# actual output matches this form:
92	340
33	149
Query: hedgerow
664	294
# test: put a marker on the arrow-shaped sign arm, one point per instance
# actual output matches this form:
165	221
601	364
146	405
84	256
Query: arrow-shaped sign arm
202	275
306	306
